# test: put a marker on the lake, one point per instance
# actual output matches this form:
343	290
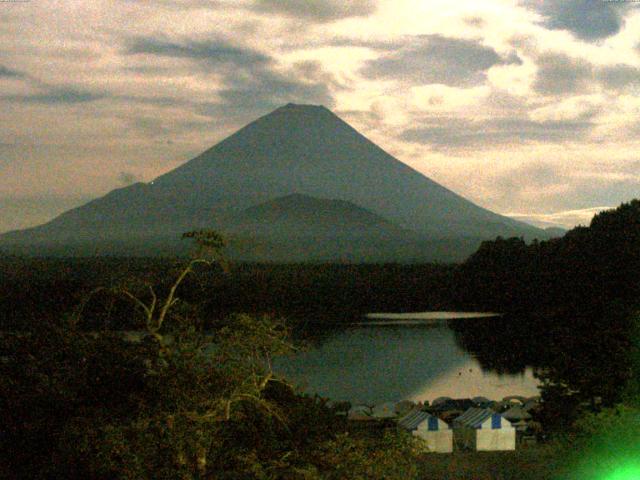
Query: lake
389	357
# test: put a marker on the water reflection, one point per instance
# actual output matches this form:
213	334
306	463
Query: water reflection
374	363
504	345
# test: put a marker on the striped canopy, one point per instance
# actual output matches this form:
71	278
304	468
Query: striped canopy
416	418
477	417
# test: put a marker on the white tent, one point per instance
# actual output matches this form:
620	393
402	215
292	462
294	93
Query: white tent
437	434
482	429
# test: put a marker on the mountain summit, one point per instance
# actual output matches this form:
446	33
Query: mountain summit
296	149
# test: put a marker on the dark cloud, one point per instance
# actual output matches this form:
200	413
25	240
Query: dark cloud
500	103
373	44
557	187
512	59
58	95
370	117
252	82
565	219
150	70
431	59
586	191
160	101
386	45
214	52
9	72
587	19
560	74
619	77
603	191
317	10
454	133
313	72
180	4
47	93
258	94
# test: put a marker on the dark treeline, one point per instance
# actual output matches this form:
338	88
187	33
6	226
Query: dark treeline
571	307
330	292
584	272
34	289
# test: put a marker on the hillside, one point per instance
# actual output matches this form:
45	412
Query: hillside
299	227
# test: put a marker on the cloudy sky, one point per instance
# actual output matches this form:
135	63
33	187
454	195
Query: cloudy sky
530	108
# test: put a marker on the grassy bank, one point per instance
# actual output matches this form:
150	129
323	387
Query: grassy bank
541	462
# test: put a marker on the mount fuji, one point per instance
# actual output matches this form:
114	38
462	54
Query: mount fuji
298	183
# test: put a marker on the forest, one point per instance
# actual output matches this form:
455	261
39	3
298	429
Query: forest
38	288
196	397
577	298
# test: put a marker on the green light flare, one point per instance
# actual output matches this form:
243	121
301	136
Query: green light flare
625	472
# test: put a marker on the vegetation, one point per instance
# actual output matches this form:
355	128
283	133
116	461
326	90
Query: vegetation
543	462
577	299
607	443
39	288
176	403
584	273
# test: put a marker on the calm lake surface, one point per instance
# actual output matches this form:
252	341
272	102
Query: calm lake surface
389	357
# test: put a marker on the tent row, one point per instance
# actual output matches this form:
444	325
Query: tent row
479	429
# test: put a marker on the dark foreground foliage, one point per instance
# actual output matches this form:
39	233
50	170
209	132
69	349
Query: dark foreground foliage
173	403
95	406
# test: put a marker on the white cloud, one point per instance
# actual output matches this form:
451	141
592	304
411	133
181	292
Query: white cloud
563	219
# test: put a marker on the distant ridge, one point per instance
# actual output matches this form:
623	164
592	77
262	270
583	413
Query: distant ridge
299	150
299	227
306	212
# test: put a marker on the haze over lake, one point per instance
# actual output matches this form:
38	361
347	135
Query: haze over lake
400	358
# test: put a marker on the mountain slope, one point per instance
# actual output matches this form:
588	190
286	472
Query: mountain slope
309	150
298	215
294	149
299	227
